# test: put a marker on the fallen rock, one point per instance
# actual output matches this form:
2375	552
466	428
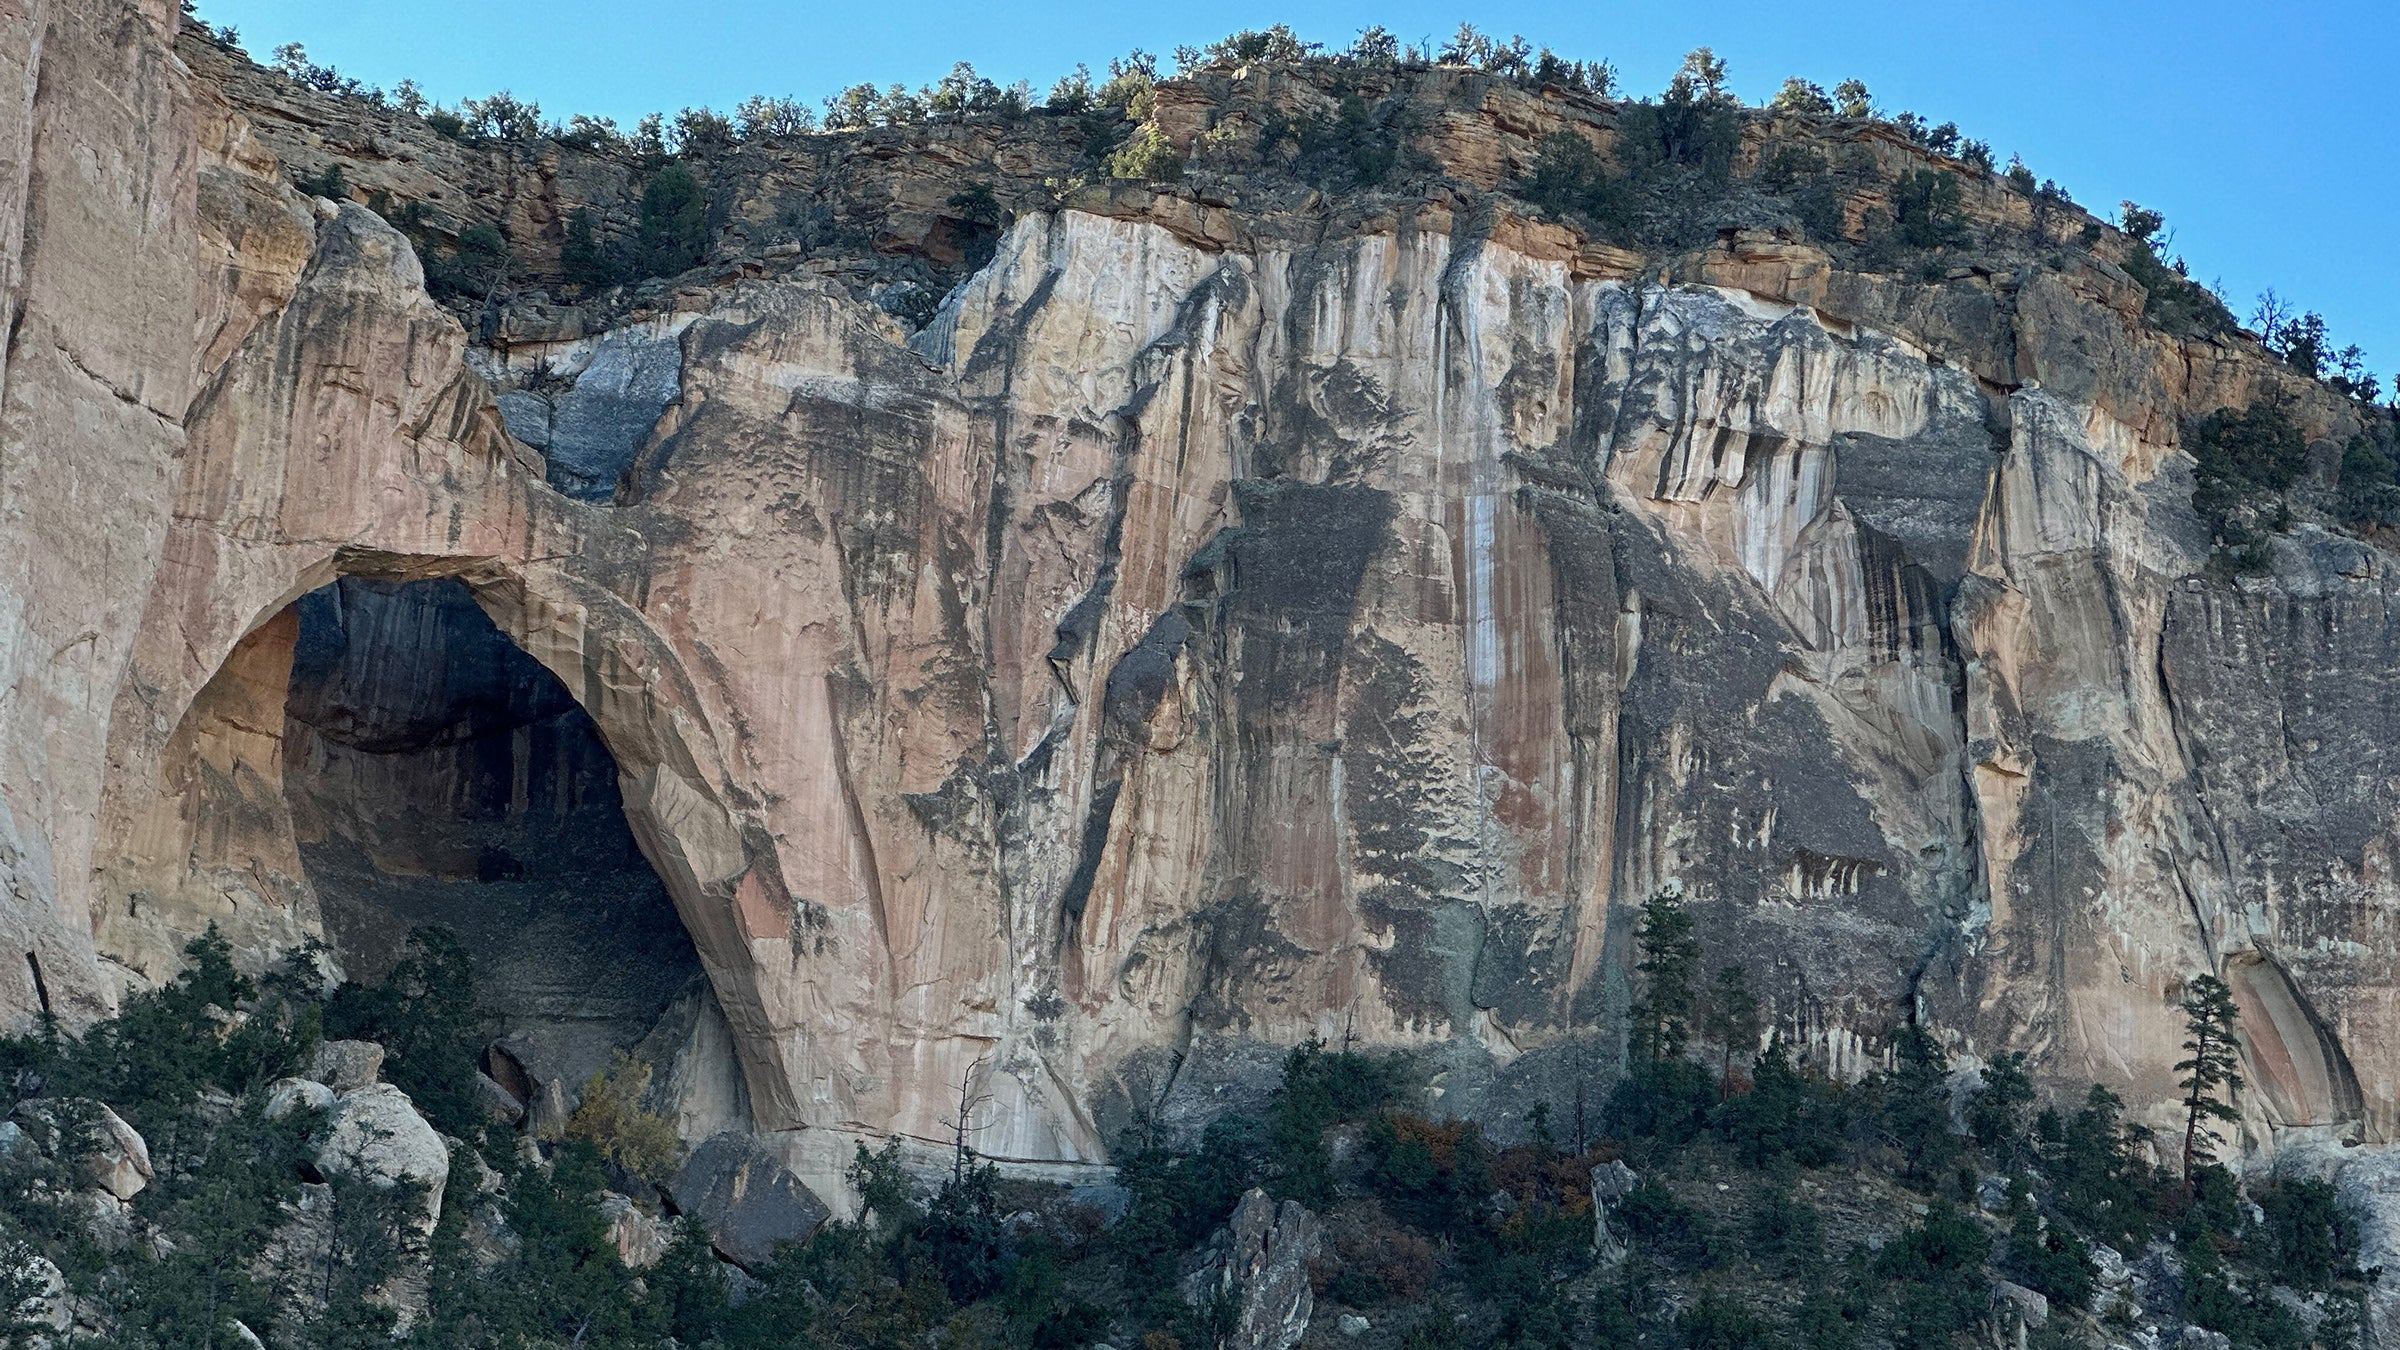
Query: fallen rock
248	1338
746	1198
286	1095
2197	1338
1262	1260
1354	1325
1611	1181
499	1105
640	1239
377	1135
346	1066
2031	1307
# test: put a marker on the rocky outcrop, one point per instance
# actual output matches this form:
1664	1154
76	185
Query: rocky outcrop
1260	1264
1231	618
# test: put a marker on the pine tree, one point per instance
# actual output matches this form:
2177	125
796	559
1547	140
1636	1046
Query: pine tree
1996	1118
1670	960
1917	1110
1733	1022
2213	1067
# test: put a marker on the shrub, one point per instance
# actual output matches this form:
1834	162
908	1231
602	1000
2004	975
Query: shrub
583	258
1436	1177
979	221
424	1015
1718	1321
2370	489
1996	1118
2101	1182
1147	155
1938	1268
610	1116
1788	166
328	182
2247	458
2048	1258
2309	1239
1568	179
1925	210
1785	1114
1916	1110
1800	96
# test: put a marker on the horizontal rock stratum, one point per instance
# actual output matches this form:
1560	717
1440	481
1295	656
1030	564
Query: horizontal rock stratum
1223	622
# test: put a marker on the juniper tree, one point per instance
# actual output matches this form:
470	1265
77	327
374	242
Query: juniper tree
2214	1067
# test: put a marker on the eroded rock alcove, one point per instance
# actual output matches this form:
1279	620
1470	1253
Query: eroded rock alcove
438	775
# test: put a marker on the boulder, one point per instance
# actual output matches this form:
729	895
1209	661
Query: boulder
1354	1326
49	1305
107	1221
639	1237
376	1134
746	1198
286	1095
112	1153
1261	1260
346	1066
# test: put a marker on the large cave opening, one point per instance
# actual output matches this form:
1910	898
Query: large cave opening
439	775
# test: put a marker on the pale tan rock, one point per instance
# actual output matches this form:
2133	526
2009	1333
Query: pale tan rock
286	1095
345	1066
640	1239
376	1135
1218	626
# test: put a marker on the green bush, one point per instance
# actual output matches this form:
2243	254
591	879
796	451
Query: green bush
2247	458
1936	1270
1925	210
1146	155
1567	179
2370	488
2101	1184
2049	1258
2309	1239
424	1015
673	234
584	259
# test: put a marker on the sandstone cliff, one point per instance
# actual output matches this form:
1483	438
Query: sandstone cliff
1239	613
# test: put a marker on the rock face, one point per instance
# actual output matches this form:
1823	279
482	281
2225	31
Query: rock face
1224	622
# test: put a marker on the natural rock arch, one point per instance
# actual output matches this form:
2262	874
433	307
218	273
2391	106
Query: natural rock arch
301	471
203	836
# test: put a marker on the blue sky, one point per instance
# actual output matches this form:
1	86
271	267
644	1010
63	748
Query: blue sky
2266	130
